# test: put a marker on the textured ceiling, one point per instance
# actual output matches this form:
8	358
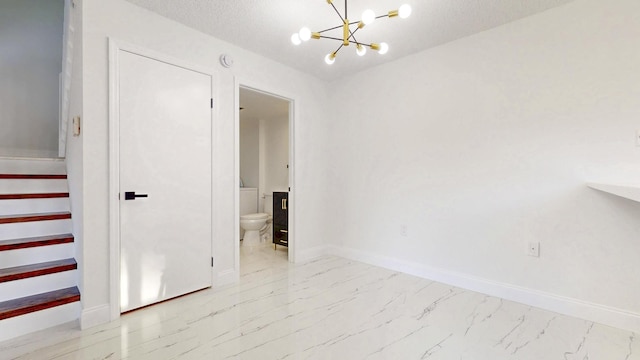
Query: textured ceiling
265	27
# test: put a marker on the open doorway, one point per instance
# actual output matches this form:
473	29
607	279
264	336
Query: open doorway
265	173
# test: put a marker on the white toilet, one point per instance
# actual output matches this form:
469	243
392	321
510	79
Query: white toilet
254	225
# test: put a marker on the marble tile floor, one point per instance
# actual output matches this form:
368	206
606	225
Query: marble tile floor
332	308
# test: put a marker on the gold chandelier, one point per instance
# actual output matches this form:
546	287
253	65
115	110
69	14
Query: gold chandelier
348	35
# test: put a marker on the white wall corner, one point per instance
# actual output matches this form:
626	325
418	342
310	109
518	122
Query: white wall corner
305	255
563	305
94	316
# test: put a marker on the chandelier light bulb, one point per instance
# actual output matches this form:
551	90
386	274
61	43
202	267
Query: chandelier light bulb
368	16
305	34
330	58
384	48
404	11
295	39
361	50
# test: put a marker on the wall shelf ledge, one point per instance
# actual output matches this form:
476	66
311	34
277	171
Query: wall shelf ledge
628	191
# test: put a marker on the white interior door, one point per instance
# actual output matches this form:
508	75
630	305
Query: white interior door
165	154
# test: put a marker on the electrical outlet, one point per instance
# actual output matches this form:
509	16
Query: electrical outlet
534	249
403	230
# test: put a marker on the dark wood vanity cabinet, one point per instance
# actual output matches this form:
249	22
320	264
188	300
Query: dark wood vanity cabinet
280	218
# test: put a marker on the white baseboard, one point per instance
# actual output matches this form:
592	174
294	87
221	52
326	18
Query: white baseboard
312	253
560	304
94	316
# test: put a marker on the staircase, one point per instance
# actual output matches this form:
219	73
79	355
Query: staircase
38	272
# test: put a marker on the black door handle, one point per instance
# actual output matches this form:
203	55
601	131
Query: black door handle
131	195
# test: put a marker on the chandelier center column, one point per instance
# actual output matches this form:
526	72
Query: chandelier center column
345	33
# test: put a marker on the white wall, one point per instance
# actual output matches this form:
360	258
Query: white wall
274	146
30	64
249	152
126	22
484	144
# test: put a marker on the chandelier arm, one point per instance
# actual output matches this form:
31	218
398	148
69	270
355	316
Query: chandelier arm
352	35
337	12
329	29
338	27
331	38
338	49
338	39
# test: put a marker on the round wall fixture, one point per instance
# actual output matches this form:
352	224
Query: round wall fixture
226	60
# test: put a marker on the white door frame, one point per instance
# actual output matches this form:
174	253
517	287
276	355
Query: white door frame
115	46
291	203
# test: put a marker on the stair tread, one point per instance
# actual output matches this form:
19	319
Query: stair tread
41	195
45	268
22	243
36	214
33	176
25	305
4	219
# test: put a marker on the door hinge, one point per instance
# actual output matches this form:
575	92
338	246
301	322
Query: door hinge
212	103
212	261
